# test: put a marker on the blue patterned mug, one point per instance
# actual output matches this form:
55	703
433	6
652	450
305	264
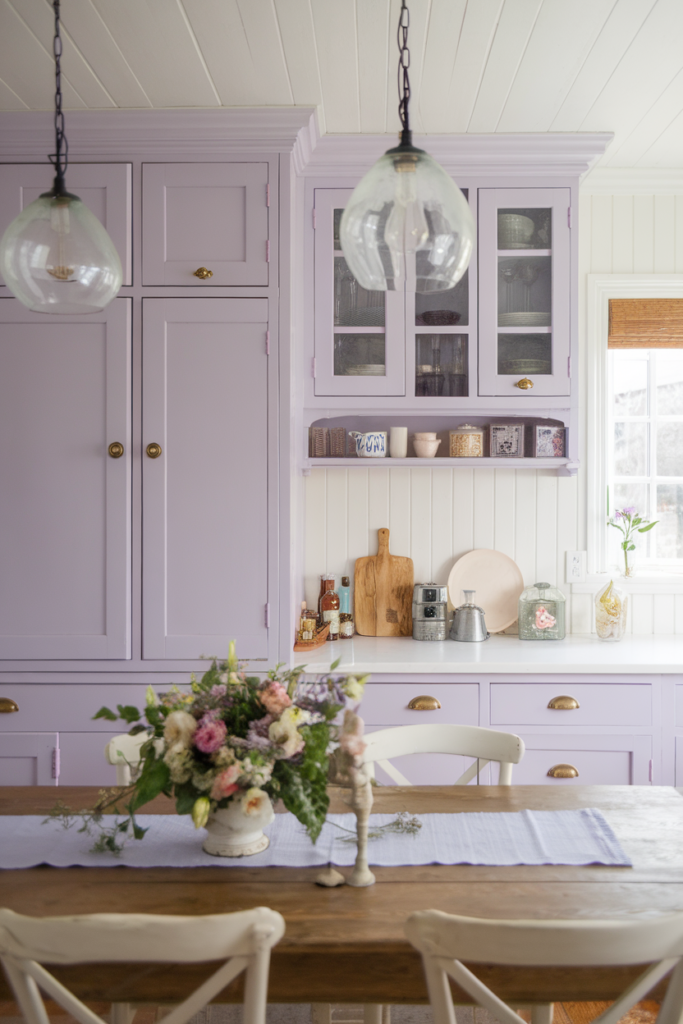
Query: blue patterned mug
372	445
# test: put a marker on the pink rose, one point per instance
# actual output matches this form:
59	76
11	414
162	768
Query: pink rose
210	736
224	784
274	698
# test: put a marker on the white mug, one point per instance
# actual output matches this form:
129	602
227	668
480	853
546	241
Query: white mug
398	443
372	445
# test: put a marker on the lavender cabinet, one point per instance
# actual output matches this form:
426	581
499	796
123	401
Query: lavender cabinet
29	759
205	217
524	268
104	188
209	480
605	760
65	516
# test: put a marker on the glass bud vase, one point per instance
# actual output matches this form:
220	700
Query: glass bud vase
611	605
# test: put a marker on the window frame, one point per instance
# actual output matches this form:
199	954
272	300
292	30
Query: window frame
600	289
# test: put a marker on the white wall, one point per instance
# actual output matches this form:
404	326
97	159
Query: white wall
436	515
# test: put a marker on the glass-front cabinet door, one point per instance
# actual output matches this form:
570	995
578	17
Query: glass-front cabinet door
359	334
524	292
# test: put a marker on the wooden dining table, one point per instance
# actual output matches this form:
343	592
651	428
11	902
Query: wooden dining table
346	944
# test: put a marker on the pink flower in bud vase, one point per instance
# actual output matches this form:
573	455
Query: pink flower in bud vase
210	736
275	699
225	784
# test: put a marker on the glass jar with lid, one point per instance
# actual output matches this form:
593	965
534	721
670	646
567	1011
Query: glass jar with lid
466	441
541	613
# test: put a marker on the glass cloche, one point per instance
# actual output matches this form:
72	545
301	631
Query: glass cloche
541	613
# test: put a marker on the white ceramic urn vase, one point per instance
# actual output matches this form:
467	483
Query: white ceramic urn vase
232	833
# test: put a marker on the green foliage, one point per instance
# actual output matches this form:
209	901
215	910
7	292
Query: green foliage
154	779
303	787
128	713
185	796
106	713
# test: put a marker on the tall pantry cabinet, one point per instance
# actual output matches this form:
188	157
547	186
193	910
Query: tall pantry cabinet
139	447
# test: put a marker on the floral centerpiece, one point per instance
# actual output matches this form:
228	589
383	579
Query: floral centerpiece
628	522
228	747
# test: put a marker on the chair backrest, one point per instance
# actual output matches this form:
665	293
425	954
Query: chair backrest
124	752
243	939
484	745
446	939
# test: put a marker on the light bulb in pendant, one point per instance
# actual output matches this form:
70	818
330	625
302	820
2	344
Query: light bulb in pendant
407	229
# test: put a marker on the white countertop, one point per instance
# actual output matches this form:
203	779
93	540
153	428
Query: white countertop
578	654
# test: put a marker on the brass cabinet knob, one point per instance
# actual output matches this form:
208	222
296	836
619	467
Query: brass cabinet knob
7	706
153	450
203	273
115	449
524	384
563	703
563	771
424	703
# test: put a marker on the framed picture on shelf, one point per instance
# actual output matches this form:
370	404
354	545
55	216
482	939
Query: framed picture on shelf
506	440
550	442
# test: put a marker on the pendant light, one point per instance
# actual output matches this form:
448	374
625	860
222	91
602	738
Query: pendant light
407	204
55	256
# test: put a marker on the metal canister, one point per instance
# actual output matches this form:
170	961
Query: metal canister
430	611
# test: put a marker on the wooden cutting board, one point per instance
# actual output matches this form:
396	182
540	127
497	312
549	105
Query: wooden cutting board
383	592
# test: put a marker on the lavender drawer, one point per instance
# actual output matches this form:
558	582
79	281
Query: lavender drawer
68	706
386	704
613	704
599	760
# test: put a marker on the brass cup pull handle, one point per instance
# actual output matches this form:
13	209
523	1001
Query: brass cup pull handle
563	771
563	703
424	703
202	273
7	706
115	450
524	384
153	450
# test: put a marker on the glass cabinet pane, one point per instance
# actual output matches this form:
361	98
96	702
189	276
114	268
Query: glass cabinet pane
525	228
524	291
359	355
441	309
353	305
525	354
441	366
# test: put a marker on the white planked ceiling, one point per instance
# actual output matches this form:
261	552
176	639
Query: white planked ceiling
477	65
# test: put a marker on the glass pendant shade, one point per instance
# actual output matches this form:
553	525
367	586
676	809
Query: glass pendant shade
407	204
56	257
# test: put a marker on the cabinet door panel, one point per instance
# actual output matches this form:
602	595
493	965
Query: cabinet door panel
64	503
524	291
28	759
206	499
81	758
205	215
599	760
388	703
104	188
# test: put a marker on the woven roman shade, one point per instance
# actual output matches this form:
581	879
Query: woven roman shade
645	323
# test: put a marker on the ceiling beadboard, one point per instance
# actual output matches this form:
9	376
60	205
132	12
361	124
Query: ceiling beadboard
477	66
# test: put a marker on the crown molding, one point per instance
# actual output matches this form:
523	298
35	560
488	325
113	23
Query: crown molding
632	181
109	133
522	155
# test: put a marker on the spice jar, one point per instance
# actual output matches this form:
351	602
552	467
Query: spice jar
611	605
346	628
466	441
541	613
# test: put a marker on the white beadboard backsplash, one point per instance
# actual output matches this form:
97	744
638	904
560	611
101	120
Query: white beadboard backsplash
436	515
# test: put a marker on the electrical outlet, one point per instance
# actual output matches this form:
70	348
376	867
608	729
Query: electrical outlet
575	569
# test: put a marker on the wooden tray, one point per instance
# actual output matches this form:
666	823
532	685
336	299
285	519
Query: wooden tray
319	639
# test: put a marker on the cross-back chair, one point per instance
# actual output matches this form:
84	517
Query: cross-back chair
124	752
484	745
242	939
445	940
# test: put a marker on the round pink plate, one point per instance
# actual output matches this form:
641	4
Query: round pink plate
497	583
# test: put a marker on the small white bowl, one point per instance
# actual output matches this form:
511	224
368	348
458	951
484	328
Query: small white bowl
425	449
424	437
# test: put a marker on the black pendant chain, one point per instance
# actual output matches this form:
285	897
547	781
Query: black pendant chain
58	159
403	79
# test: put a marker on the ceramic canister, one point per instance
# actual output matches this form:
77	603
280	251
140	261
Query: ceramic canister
372	445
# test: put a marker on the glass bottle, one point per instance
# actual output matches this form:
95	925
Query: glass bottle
541	613
611	606
345	595
329	605
308	623
346	627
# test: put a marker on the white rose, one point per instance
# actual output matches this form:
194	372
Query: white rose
179	729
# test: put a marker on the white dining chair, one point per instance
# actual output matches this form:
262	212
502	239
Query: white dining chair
124	752
243	939
445	940
484	745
